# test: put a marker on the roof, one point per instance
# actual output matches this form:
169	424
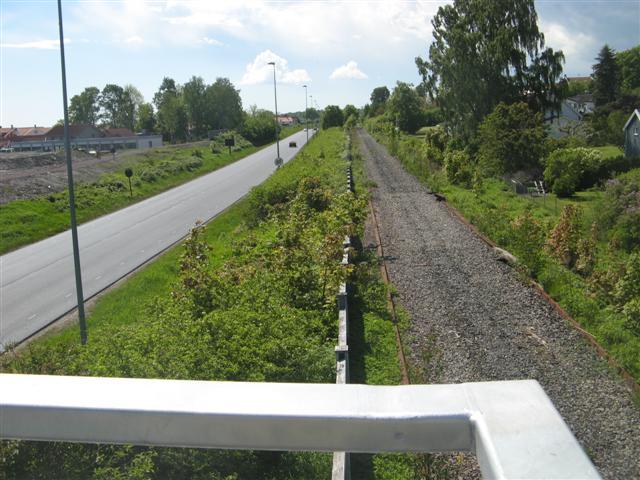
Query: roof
30	131
118	132
582	98
74	130
635	114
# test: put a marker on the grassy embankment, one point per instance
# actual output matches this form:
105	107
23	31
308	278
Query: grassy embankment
498	212
242	311
26	221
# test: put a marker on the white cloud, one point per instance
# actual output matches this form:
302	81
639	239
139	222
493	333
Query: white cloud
37	44
312	28
578	47
350	70
211	41
134	40
259	71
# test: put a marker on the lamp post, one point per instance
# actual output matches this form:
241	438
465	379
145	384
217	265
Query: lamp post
275	96
306	112
72	208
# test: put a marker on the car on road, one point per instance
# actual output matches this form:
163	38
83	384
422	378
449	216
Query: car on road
293	144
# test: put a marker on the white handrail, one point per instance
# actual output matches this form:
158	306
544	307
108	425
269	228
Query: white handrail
512	427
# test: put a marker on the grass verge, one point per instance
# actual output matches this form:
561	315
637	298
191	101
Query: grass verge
154	171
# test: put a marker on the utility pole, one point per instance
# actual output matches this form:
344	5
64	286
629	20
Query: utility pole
72	206
275	96
306	112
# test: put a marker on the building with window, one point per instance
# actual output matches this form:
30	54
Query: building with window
632	135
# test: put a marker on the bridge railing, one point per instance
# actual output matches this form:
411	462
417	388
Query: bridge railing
512	427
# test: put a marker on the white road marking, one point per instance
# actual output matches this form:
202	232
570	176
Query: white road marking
98	277
67	295
32	316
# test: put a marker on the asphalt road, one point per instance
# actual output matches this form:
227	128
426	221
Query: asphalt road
37	283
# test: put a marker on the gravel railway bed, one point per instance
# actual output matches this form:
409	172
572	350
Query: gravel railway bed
473	319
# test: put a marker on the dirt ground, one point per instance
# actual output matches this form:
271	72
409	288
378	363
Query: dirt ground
25	175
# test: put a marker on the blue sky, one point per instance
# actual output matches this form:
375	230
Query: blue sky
341	50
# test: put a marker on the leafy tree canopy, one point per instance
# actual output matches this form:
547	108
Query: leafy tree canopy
223	105
379	97
511	138
332	117
84	108
406	107
486	52
350	110
629	63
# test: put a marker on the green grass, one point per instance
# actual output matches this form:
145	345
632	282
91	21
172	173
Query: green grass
609	151
26	221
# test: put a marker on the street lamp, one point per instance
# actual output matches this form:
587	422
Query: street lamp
72	208
306	112
275	96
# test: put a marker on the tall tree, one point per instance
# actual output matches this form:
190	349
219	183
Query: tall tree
193	94
133	99
406	107
84	108
113	102
146	118
223	105
606	77
167	88
350	110
486	52
379	97
332	117
172	118
629	63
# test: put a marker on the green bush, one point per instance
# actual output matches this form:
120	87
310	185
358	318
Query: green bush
569	168
511	138
458	167
621	210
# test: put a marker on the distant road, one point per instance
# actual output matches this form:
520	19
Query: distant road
37	283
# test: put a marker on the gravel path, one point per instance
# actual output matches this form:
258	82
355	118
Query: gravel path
486	324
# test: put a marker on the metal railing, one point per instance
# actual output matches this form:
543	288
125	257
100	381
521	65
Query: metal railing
512	427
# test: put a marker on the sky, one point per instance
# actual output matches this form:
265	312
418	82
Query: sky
340	50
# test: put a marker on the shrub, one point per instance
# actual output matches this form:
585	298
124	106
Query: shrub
621	210
563	240
569	168
458	167
436	137
528	240
511	138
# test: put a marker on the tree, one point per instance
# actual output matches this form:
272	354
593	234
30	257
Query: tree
332	117
629	64
379	97
146	118
406	107
486	52
84	108
167	88
193	95
172	118
171	112
223	105
132	100
511	138
259	127
606	77
350	110
114	104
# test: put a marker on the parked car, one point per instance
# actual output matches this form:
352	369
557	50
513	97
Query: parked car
293	144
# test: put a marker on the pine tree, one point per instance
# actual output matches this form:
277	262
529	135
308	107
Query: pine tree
606	77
